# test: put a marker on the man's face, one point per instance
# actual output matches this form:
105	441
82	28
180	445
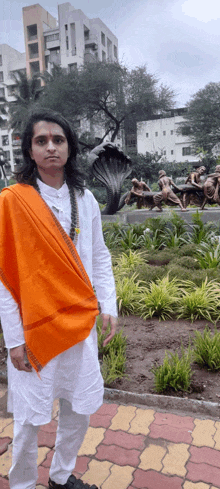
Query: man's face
49	146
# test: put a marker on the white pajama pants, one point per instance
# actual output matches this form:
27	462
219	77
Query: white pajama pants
71	430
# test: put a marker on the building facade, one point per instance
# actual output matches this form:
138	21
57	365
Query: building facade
68	42
164	136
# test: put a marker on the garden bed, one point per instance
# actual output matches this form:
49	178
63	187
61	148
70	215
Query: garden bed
146	345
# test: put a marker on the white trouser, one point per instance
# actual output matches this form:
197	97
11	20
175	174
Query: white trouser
71	430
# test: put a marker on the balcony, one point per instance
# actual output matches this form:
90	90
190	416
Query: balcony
91	42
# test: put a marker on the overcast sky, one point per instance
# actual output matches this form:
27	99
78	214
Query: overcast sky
178	40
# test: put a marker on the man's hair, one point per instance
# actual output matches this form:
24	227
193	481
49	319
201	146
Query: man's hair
28	171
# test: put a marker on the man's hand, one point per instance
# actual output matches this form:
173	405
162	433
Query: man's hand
17	355
106	320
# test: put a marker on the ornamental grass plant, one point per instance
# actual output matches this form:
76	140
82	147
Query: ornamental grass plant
199	302
206	349
128	290
160	298
113	355
175	372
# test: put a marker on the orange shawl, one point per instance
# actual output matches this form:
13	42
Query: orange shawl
41	268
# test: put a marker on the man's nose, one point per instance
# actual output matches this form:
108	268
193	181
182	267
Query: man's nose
51	145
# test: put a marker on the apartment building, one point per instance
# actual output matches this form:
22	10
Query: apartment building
10	61
68	42
163	135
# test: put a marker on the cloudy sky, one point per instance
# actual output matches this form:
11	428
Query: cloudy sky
178	40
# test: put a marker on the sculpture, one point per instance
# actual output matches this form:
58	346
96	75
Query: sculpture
194	179
167	195
211	187
138	190
111	167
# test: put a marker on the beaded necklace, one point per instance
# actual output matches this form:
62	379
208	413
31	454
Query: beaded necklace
74	227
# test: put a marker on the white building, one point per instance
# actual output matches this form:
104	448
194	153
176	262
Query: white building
10	61
69	42
162	135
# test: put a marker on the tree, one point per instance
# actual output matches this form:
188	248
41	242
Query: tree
203	117
108	93
27	92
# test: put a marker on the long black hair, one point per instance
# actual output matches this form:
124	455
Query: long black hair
28	171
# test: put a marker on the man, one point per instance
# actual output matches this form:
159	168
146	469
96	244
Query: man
137	191
194	179
166	194
52	253
211	188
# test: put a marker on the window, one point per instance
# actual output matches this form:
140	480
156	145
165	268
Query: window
33	50
156	134
5	140
86	33
11	90
67	43
1	76
171	151
147	134
2	93
103	56
171	132
186	151
115	52
164	133
66	27
103	38
164	152
7	155
47	62
4	124
34	67
0	60
32	32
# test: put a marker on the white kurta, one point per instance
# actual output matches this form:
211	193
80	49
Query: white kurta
74	374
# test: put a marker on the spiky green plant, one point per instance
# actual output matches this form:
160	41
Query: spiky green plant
200	302
206	349
129	262
175	372
160	298
128	291
208	255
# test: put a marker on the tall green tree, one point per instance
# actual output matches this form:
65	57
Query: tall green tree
203	117
108	93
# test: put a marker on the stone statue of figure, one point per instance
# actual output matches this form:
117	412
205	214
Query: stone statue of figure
167	195
137	191
211	187
194	179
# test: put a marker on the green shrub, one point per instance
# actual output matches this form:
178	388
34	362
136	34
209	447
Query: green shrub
201	231
147	273
208	255
188	250
128	262
128	291
113	355
206	349
186	261
177	272
200	302
175	372
159	298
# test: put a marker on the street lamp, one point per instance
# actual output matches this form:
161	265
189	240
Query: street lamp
2	164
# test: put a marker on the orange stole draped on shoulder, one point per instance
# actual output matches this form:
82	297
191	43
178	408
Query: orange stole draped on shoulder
41	268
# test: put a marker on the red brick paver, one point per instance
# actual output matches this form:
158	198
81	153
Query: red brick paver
4	483
205	455
203	473
118	455
123	439
150	479
176	435
4	442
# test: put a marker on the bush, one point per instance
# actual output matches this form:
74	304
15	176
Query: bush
113	355
160	299
175	372
206	349
187	262
181	273
208	255
188	250
147	273
200	302
128	291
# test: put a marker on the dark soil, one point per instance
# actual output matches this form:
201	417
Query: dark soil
147	342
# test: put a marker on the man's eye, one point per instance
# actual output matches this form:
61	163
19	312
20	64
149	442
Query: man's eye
58	140
41	141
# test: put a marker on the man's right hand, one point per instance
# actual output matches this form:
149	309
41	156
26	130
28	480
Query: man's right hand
17	355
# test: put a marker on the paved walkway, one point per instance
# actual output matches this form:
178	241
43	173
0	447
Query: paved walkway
130	447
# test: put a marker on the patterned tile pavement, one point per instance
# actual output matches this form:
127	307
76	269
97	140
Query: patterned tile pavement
128	447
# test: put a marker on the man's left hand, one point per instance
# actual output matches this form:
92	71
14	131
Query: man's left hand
106	320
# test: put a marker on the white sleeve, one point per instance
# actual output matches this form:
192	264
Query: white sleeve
103	278
10	319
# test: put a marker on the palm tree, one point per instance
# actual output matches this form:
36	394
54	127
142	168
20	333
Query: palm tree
27	92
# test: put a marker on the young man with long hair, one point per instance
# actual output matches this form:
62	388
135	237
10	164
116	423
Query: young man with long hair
52	257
